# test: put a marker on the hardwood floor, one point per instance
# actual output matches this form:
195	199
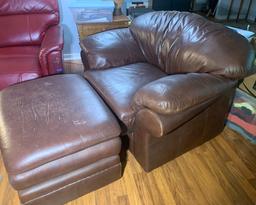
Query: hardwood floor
220	172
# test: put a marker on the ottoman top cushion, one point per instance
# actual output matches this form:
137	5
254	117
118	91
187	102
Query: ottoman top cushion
46	119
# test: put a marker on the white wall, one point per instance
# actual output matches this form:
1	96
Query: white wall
71	38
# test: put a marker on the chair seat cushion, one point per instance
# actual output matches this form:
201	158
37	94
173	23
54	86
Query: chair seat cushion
18	64
117	86
47	119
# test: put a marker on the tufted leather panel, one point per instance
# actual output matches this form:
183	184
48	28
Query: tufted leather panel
181	42
26	21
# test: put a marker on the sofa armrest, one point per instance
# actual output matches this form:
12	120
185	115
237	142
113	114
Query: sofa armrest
178	93
109	49
50	56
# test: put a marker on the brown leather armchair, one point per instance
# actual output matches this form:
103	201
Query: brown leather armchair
31	41
169	78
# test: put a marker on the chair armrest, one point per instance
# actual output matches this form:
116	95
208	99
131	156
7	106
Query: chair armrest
110	49
177	93
159	125
50	56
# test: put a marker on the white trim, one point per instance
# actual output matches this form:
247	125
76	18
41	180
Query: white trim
72	56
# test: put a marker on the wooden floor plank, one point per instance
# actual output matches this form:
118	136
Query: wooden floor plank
243	149
243	182
163	187
210	187
221	173
191	181
235	158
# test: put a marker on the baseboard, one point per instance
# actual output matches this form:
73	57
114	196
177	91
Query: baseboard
72	56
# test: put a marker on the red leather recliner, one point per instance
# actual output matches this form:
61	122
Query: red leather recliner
31	41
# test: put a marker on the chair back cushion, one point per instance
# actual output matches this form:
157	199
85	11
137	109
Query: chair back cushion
23	23
182	42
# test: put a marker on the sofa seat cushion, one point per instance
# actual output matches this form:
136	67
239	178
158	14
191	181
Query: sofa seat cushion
18	64
47	119
117	86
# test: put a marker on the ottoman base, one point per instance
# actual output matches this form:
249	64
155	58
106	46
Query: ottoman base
58	139
79	188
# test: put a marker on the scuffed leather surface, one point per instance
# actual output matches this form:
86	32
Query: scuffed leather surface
110	49
55	103
68	163
181	42
18	64
117	86
177	93
50	55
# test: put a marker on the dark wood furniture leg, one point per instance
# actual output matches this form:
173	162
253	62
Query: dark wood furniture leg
240	9
230	9
249	9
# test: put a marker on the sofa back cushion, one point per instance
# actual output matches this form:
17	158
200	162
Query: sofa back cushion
25	22
182	42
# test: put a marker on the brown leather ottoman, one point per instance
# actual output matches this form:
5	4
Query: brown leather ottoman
58	139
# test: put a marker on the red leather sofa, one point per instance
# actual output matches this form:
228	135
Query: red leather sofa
31	41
